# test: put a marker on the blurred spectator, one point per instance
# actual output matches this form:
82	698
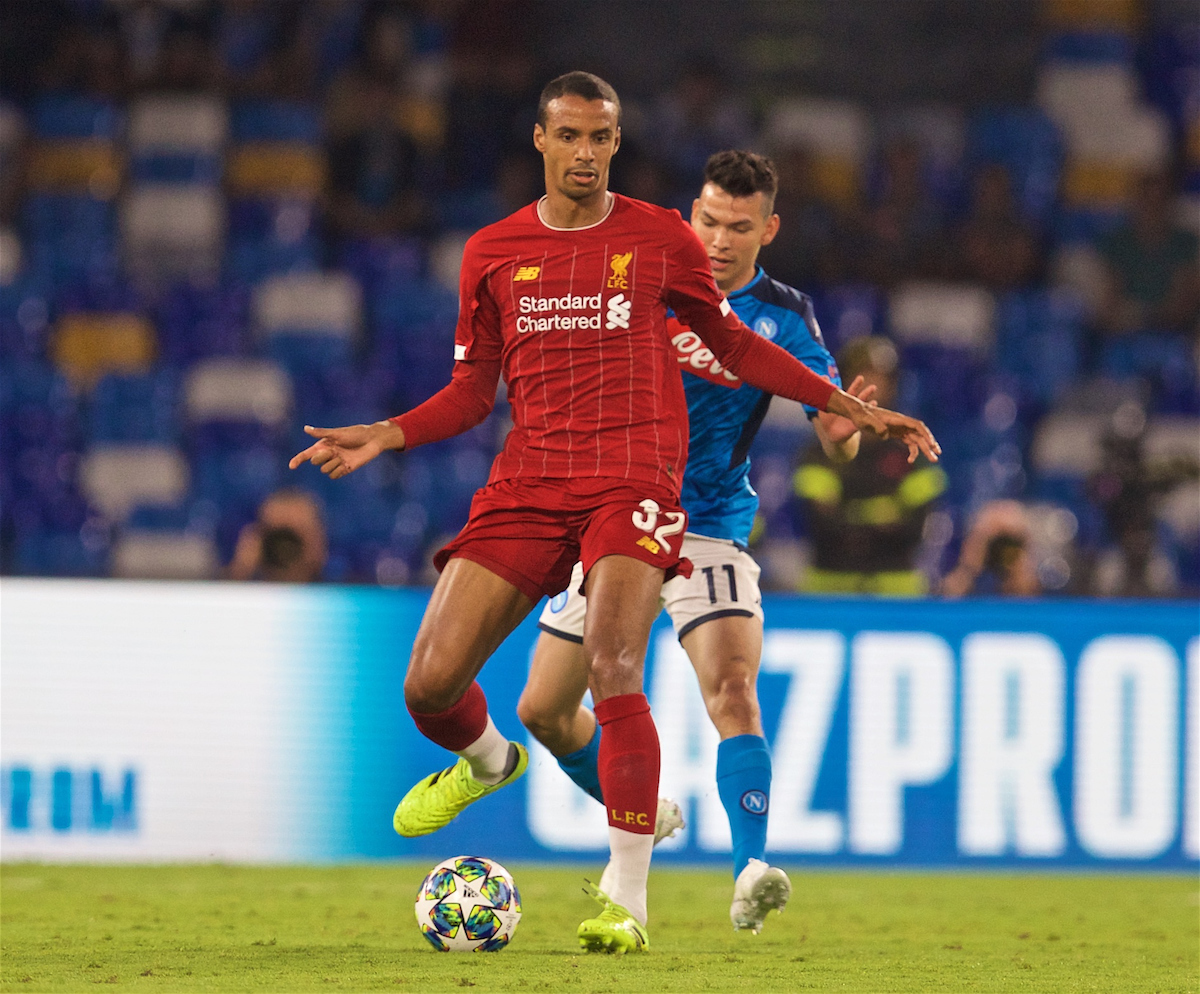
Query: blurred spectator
492	105
903	232
807	252
697	116
993	245
866	517
378	131
1153	283
266	48
1129	488
996	556
286	543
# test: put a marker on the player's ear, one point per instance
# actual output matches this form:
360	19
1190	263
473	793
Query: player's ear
695	211
539	138
617	139
771	230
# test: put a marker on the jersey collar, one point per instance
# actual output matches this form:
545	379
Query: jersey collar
612	205
759	276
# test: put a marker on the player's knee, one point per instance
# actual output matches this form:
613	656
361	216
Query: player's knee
544	724
428	691
613	673
734	702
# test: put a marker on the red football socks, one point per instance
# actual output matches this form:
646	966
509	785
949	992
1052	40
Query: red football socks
461	723
629	762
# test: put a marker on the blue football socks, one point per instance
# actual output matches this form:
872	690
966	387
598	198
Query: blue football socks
744	785
582	766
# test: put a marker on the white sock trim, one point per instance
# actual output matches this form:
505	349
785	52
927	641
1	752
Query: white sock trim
488	755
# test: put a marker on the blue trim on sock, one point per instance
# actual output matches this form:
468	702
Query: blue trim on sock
744	785
583	766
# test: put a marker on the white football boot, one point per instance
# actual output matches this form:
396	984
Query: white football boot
667	821
759	888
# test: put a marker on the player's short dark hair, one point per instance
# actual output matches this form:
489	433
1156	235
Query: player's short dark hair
743	174
577	84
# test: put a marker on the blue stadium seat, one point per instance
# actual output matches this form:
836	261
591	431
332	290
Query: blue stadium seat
183	167
1089	47
1029	145
1039	341
135	408
76	116
276	121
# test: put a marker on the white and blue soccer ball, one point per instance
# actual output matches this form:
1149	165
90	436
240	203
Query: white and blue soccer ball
468	904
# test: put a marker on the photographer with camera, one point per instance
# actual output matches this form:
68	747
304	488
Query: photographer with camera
286	543
995	557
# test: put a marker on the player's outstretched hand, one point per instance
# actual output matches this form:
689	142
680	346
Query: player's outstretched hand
839	428
340	451
887	424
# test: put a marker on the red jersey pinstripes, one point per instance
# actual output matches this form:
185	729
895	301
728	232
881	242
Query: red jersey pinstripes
577	318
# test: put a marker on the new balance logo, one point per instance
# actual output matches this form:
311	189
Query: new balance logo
526	273
618	312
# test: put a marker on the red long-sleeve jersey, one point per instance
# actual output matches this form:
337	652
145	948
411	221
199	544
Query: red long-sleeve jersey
575	319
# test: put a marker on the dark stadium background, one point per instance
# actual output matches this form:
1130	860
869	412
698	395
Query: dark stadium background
219	223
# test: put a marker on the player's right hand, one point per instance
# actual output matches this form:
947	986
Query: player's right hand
340	451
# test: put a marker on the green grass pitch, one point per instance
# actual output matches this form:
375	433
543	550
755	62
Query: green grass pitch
225	928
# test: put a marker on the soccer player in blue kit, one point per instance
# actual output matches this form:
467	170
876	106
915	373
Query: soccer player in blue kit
717	612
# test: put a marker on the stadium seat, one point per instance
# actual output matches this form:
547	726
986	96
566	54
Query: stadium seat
837	132
275	121
1078	269
1067	444
76	116
196	321
1040	342
952	315
156	555
135	409
316	303
1115	15
1173	437
237	390
70	165
174	124
1028	144
275	169
88	346
172	230
117	478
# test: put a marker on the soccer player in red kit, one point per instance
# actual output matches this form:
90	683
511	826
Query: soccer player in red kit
568	299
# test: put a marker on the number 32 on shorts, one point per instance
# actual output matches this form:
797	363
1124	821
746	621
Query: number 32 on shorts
647	520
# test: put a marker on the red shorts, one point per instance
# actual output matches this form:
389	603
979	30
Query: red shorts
532	532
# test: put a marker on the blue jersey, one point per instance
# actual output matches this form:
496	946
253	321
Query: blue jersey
725	413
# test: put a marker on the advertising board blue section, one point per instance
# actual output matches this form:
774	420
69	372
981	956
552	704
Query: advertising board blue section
981	733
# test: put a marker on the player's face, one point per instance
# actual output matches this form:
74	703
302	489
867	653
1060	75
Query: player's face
577	145
732	229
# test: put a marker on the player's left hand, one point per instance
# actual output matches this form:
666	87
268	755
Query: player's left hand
912	432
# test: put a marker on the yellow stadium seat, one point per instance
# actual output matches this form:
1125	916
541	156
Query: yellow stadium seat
88	166
836	179
87	346
275	168
1097	184
1116	15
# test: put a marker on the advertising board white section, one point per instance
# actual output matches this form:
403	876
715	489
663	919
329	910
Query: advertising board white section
144	721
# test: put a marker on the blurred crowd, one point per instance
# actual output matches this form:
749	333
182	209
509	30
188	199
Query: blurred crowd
220	221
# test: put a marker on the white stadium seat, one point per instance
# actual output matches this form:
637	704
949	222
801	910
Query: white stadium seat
118	478
237	390
318	303
174	124
950	314
155	555
837	128
171	228
1067	443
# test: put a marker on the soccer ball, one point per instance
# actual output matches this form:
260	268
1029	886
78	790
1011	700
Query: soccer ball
468	904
